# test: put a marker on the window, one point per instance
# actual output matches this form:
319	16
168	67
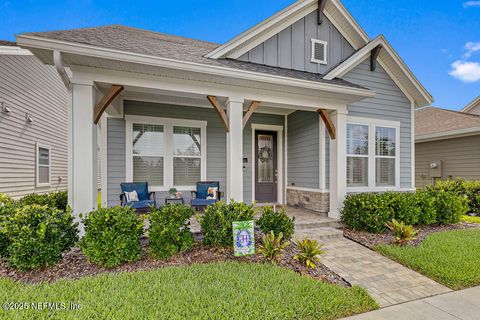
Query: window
43	165
385	150
372	153
319	51
357	155
166	152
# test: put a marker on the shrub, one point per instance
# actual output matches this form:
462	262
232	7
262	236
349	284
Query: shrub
38	235
449	207
169	231
273	246
112	236
5	209
309	252
472	191
216	223
367	211
426	205
405	206
402	233
278	222
54	199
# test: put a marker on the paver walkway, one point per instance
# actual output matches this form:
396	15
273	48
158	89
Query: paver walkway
388	282
450	306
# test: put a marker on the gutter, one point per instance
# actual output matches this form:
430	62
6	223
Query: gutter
58	62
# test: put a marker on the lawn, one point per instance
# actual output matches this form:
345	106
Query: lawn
450	257
208	291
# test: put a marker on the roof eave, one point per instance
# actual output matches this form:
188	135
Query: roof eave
466	132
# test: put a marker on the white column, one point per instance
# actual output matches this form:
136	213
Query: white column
82	185
235	150
338	164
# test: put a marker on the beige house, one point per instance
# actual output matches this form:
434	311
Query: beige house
447	144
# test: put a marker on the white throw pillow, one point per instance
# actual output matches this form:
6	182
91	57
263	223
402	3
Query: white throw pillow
212	193
131	196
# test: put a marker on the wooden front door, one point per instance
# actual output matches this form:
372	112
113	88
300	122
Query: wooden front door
266	166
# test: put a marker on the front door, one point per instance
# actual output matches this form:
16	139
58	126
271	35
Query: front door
266	166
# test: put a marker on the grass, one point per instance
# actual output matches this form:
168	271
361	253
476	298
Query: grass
209	291
451	257
469	219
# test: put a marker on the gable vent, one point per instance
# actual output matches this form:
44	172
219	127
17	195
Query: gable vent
319	51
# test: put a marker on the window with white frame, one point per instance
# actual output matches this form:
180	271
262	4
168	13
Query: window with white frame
43	165
372	153
166	152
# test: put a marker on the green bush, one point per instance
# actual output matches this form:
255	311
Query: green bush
449	206
112	236
367	211
402	232
278	222
38	235
426	204
5	209
405	207
216	223
472	191
54	199
169	231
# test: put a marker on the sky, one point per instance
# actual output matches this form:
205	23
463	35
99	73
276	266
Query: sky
439	40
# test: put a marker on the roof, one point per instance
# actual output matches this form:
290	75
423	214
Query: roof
8	43
163	45
475	103
435	121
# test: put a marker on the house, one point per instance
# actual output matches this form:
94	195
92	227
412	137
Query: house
33	124
447	144
301	109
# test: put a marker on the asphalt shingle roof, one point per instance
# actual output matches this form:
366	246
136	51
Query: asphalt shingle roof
435	120
172	47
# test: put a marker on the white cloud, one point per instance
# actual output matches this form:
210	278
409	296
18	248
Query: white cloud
469	4
471	48
465	71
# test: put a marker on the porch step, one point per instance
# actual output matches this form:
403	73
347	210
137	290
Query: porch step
319	233
319	223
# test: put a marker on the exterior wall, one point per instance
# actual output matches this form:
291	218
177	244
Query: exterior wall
27	85
459	156
303	149
291	48
216	144
389	103
310	200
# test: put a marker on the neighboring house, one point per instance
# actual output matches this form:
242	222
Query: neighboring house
301	109
33	124
447	144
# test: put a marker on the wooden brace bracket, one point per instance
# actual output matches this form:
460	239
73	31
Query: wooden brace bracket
253	106
328	123
103	104
221	113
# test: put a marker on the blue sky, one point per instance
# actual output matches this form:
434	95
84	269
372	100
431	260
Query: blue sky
439	40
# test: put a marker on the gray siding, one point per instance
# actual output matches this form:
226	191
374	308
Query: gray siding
459	156
389	103
27	85
291	48
116	167
303	149
475	110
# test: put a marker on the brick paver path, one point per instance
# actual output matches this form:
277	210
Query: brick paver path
388	282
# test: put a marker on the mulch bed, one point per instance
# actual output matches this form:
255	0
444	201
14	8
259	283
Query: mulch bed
370	240
75	265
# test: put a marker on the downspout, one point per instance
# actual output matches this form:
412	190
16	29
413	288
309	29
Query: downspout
58	62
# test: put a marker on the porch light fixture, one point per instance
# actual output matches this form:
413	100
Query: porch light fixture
5	108
28	117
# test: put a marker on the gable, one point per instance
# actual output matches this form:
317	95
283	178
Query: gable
291	47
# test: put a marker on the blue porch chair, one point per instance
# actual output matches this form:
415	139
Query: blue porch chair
146	199
199	199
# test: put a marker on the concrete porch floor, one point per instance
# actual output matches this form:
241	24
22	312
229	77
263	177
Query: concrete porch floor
304	219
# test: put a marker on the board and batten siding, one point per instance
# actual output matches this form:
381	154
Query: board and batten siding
303	149
291	48
216	144
460	159
27	85
389	103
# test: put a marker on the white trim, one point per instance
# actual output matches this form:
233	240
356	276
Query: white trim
321	190
447	135
125	56
280	179
372	124
322	156
14	51
104	158
471	105
378	189
314	42
37	165
168	124
412	145
285	183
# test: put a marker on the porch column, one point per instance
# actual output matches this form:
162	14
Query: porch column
235	150
82	183
338	164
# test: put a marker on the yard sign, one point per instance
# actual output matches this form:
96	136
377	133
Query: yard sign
243	238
